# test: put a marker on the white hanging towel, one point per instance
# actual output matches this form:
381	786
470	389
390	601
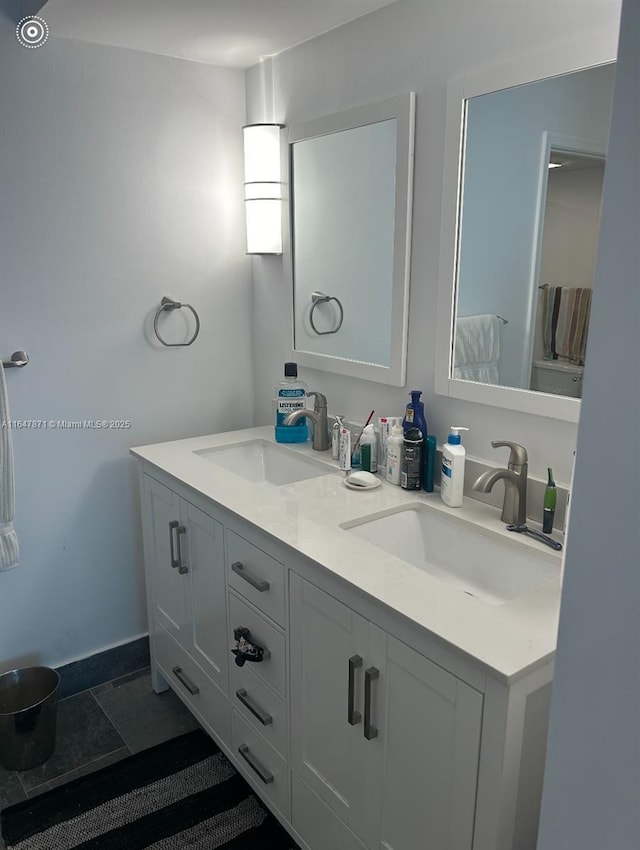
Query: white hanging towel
9	553
477	348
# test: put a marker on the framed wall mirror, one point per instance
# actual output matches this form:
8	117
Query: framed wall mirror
351	177
524	164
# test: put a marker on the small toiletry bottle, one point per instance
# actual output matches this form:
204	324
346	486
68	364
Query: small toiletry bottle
411	469
290	395
452	478
394	455
429	462
549	503
344	449
335	437
385	426
369	449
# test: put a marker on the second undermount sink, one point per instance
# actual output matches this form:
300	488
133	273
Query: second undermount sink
263	462
493	569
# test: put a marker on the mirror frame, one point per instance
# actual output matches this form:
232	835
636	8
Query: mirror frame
565	59
402	108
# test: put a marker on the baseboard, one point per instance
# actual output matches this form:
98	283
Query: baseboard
103	667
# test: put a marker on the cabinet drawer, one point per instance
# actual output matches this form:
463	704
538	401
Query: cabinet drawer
262	763
273	669
257	577
317	823
185	677
259	706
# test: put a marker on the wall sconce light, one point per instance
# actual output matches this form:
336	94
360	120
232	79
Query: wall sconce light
263	188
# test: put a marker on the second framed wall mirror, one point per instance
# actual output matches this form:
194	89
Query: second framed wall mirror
524	163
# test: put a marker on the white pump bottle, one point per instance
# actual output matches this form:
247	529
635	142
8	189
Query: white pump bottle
452	475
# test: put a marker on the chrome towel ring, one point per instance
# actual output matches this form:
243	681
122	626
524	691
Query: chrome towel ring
170	305
320	298
18	358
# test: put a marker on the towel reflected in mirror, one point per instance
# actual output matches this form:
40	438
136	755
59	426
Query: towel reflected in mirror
478	344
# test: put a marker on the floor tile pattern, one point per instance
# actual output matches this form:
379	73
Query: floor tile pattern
98	727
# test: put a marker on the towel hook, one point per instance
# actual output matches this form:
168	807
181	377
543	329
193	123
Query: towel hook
320	298
18	358
170	304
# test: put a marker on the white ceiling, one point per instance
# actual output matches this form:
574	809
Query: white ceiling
230	33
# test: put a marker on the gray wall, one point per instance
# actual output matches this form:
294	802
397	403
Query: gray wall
120	182
362	62
592	781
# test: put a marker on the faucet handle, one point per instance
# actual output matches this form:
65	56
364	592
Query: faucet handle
319	400
518	455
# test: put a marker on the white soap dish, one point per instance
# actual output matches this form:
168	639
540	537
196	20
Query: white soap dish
362	481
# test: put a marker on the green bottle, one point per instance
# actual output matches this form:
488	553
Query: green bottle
549	503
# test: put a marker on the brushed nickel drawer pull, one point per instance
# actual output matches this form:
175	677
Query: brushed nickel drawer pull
264	774
264	717
353	716
259	584
182	568
184	680
370	676
175	563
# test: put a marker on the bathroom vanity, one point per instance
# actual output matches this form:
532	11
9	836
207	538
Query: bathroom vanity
400	704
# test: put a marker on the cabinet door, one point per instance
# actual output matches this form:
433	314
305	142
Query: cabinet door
429	724
165	536
204	546
326	733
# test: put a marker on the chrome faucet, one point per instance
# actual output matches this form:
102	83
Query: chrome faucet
319	418
514	507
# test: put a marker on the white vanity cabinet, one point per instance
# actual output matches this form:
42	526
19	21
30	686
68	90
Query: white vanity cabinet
186	591
383	740
363	728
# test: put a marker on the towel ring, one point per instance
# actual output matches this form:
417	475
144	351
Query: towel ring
170	305
320	298
18	358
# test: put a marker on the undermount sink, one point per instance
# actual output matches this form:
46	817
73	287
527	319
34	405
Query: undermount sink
263	462
493	570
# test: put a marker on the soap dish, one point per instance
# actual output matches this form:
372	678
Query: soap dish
353	486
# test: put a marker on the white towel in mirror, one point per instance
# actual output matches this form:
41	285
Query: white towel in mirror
478	346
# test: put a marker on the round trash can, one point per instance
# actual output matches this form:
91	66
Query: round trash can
28	707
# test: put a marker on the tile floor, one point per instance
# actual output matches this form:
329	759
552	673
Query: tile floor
98	727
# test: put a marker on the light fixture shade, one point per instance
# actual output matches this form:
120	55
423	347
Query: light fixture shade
263	188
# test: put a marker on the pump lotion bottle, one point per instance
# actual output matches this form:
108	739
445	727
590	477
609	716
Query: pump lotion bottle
452	477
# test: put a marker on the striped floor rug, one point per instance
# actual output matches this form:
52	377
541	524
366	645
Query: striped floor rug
181	794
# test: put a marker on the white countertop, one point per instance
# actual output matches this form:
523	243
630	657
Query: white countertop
509	638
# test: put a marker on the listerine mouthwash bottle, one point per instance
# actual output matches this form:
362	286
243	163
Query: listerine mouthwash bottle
290	395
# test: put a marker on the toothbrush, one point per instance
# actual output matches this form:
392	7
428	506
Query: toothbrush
355	448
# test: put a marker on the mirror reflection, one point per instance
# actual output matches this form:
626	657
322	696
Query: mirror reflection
343	212
533	166
351	189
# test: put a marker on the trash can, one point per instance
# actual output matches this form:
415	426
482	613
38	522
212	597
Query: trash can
28	707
